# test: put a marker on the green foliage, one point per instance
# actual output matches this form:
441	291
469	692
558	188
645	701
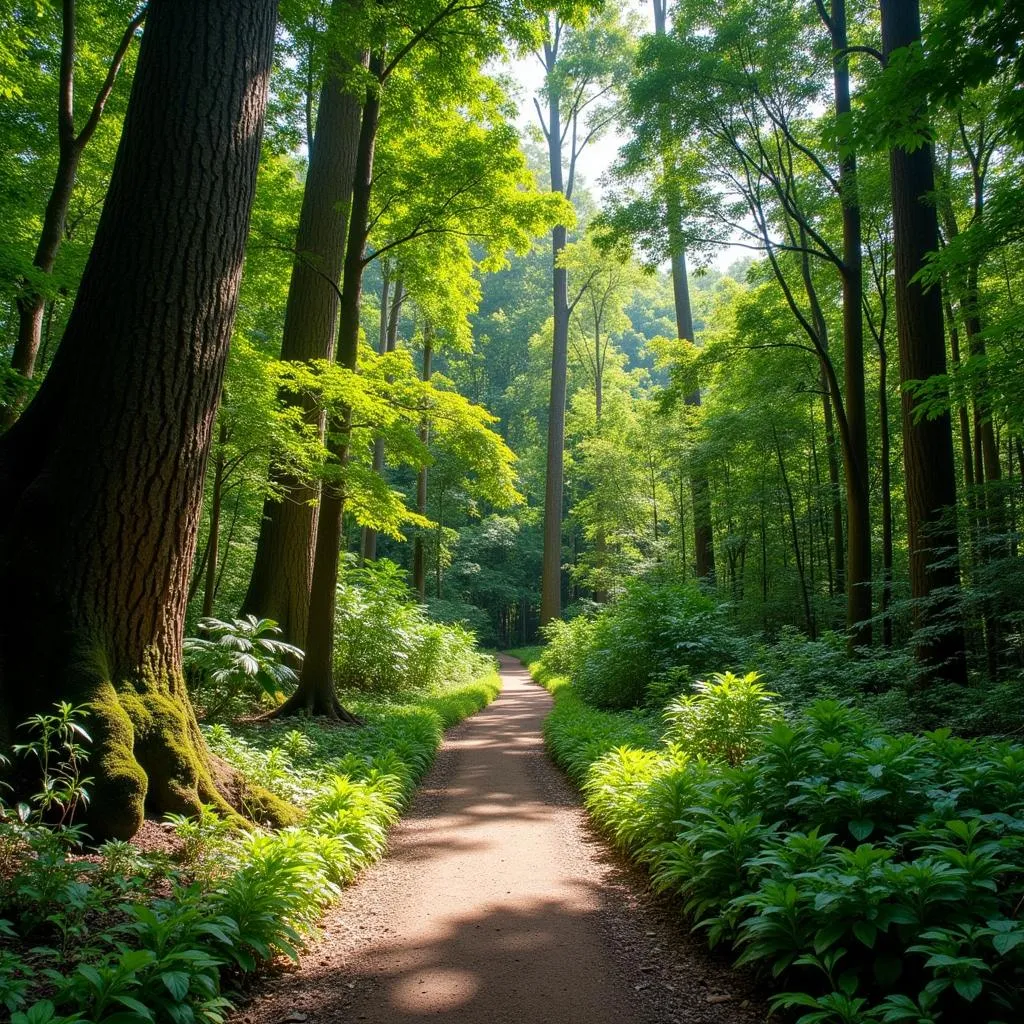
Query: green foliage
128	937
877	874
722	719
59	751
386	643
649	644
239	659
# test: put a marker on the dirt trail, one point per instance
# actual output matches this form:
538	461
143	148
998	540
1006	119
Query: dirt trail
497	903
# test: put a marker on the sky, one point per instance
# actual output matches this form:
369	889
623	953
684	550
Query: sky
597	159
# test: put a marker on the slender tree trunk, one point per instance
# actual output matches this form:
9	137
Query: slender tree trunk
822	518
795	535
965	428
886	487
551	566
700	488
419	563
929	473
213	544
283	570
388	341
31	304
834	487
703	535
103	495
855	454
228	540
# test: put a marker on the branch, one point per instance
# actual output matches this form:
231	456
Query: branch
823	14
869	50
421	33
108	83
66	98
540	118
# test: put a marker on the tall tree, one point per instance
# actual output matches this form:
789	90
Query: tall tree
579	66
103	473
703	533
283	570
71	145
929	469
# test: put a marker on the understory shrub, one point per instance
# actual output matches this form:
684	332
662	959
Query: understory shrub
386	643
651	644
124	937
239	663
880	876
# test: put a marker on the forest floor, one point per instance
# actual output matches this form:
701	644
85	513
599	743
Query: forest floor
498	903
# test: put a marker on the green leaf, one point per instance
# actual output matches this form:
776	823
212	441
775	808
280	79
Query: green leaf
134	1004
866	932
861	828
969	988
177	983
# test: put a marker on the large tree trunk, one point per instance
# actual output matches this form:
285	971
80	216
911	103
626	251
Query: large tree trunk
103	473
929	472
32	303
282	574
315	693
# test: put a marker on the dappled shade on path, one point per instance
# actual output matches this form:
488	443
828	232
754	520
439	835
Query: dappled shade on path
491	906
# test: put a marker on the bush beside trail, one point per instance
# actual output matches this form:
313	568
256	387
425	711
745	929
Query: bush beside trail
877	876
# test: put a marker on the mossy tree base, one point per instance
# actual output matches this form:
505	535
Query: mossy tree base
318	702
149	757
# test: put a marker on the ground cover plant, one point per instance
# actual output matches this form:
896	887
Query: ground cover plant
876	876
124	935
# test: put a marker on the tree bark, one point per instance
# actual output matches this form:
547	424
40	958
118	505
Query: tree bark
551	565
213	544
419	566
315	693
32	303
387	343
858	505
283	570
929	472
103	473
700	491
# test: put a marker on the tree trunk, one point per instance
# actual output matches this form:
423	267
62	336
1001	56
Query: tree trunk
551	565
282	572
929	473
795	535
419	564
855	454
387	343
213	544
32	303
103	473
700	491
315	693
834	488
883	417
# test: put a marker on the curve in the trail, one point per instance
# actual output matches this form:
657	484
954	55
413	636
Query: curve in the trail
491	905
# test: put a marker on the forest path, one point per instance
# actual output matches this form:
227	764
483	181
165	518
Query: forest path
497	903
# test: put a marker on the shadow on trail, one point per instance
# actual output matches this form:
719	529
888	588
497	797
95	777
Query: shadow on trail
498	964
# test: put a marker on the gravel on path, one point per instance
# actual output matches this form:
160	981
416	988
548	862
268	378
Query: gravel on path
498	903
